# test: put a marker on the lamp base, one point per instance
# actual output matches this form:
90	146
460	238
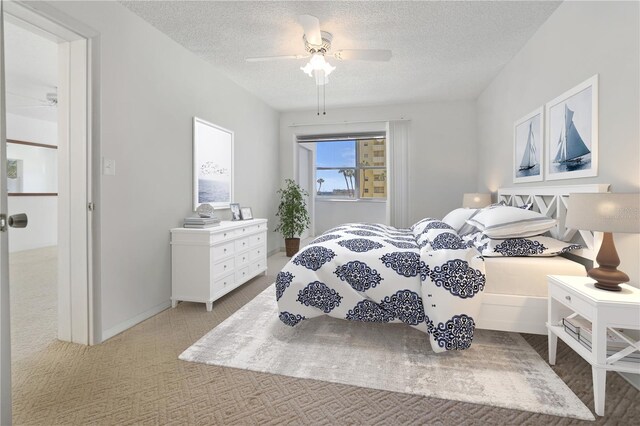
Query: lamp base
608	278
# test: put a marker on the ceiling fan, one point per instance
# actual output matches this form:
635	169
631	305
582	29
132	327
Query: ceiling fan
317	45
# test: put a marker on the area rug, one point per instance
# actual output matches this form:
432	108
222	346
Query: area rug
500	369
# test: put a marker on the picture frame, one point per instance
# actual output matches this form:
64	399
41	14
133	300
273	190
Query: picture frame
246	213
212	165
571	149
528	147
235	211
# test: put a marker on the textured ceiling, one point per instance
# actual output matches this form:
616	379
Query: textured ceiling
441	50
31	67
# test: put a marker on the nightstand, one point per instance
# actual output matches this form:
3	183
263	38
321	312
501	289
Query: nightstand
605	310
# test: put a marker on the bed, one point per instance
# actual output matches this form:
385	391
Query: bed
431	276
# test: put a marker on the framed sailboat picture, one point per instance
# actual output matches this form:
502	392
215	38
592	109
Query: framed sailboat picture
572	133
527	148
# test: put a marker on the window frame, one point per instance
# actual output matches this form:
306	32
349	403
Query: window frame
357	168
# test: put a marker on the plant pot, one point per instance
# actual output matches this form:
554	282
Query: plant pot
292	245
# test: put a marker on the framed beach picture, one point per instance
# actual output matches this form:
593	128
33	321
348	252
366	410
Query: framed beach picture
212	164
572	133
528	147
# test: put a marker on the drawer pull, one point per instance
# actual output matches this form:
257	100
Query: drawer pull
258	238
225	250
243	273
224	284
243	229
243	243
258	251
243	258
568	298
225	266
225	234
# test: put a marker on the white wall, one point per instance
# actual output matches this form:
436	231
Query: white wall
579	40
150	89
442	148
42	230
330	214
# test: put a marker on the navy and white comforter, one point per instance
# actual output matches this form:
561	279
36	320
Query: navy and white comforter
425	276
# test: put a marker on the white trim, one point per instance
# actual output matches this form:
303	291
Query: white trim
119	328
593	171
335	123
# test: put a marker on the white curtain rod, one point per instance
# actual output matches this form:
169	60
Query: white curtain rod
348	122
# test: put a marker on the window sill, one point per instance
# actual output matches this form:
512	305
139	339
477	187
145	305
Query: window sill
348	200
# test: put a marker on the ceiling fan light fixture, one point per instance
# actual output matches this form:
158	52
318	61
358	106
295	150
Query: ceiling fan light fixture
319	68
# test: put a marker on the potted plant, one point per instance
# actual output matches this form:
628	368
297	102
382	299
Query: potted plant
294	218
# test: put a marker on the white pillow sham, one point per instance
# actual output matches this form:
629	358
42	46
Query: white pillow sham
458	217
517	247
511	222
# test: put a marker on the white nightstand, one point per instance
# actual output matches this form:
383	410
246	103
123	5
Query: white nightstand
605	309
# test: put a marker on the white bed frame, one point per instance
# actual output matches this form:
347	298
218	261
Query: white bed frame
528	314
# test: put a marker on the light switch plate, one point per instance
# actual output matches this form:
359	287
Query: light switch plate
108	167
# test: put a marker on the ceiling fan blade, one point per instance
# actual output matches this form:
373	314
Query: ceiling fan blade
363	54
311	26
275	58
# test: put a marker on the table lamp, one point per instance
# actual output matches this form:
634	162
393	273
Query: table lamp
608	213
476	200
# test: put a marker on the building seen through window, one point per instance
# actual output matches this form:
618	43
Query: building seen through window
353	169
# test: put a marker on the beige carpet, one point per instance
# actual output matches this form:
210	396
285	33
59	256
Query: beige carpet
136	378
500	369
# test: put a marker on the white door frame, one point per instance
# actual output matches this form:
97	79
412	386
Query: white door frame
78	318
5	329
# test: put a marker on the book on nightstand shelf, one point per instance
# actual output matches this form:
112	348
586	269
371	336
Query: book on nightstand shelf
580	329
196	222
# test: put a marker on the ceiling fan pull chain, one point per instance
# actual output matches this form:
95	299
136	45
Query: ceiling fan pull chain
324	99
318	98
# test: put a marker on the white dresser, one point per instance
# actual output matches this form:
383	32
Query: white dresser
208	263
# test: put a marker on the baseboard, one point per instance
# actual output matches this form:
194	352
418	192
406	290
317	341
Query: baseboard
125	325
633	379
274	251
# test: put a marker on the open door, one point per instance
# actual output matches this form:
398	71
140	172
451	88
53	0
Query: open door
5	329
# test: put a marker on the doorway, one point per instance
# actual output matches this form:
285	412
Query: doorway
31	82
72	44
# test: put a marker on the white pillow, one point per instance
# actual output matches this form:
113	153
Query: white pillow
533	246
511	222
458	217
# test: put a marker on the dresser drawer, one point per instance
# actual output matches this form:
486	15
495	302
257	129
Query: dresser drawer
242	274
222	250
245	230
222	236
257	253
258	266
223	284
221	268
257	239
572	301
242	244
242	259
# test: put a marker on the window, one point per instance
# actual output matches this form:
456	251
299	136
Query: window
351	168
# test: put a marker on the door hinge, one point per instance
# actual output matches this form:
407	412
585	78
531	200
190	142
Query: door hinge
91	207
3	222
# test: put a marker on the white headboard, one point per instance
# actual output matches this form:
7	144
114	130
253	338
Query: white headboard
552	201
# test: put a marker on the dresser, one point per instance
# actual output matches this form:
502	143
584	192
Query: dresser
208	263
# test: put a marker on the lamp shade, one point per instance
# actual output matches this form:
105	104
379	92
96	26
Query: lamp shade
605	212
476	200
